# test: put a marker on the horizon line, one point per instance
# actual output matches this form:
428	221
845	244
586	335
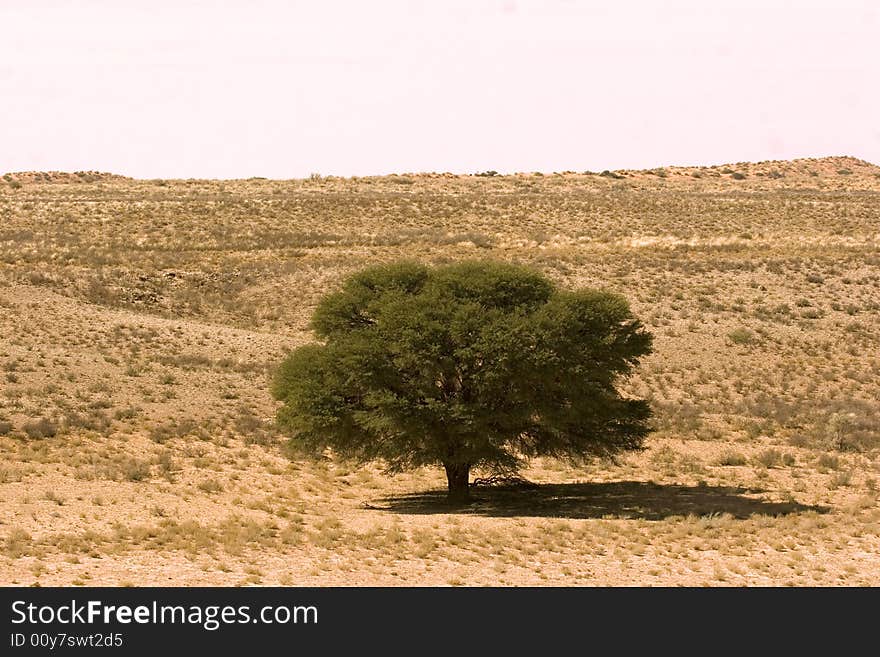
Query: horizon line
484	173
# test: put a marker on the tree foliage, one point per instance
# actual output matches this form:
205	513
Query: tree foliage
476	364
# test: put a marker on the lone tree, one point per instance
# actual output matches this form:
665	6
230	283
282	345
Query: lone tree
477	364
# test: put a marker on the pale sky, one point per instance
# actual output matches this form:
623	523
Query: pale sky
282	89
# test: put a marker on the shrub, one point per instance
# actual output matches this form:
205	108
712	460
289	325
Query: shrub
127	413
135	470
16	543
42	428
211	486
176	429
731	458
828	462
769	458
741	336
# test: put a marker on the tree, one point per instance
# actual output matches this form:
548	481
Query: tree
477	364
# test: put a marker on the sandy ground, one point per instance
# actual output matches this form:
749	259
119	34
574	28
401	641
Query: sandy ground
140	322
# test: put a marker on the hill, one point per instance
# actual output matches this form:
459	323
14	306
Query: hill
59	177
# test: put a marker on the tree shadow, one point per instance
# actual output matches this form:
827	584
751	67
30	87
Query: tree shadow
620	499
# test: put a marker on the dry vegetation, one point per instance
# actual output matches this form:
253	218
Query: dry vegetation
139	321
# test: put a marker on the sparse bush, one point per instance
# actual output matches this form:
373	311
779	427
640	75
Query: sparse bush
10	475
166	465
16	543
211	486
852	426
127	413
52	496
177	428
731	458
135	469
42	428
769	458
95	420
163	432
742	336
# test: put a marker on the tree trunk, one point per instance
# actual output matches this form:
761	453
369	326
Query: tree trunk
457	478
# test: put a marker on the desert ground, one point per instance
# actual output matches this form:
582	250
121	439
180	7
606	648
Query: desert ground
140	321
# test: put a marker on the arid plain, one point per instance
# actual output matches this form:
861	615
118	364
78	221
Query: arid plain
140	322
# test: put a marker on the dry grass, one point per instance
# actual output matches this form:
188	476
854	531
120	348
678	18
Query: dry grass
139	321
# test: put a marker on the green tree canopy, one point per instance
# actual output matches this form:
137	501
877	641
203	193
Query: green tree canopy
477	364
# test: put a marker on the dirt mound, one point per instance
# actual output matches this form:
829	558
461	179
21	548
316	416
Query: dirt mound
835	167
